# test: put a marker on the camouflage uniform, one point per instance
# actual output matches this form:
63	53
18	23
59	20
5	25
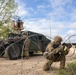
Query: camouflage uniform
26	44
55	52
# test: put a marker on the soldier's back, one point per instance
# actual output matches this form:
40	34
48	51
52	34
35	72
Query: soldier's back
50	46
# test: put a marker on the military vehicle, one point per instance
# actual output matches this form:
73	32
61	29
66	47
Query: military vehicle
13	46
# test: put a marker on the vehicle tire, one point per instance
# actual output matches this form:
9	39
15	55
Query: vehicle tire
13	52
2	51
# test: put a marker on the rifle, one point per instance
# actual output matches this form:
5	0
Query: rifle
68	45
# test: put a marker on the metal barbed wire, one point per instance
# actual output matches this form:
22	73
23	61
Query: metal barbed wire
34	66
68	39
22	48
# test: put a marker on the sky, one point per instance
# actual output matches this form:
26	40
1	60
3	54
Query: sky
49	17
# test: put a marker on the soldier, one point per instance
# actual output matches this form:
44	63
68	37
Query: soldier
55	51
26	43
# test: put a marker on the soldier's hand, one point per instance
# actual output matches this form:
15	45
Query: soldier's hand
69	45
50	56
45	54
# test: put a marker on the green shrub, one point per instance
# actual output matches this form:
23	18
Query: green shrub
64	72
71	69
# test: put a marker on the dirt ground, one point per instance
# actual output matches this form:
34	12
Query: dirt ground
32	66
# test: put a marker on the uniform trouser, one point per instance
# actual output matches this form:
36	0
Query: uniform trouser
27	52
26	48
48	63
62	61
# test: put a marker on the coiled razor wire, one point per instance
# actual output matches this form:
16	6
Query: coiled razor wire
35	65
71	44
22	49
13	49
39	62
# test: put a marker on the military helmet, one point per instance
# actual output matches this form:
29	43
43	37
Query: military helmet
57	39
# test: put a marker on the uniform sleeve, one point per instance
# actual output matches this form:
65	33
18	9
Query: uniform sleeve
58	49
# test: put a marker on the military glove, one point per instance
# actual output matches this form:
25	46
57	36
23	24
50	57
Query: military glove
50	56
45	54
69	45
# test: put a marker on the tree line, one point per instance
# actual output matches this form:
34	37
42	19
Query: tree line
7	11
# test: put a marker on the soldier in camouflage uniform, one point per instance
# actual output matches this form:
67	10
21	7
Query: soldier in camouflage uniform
55	51
26	44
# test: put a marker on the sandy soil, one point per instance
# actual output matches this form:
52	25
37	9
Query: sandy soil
32	66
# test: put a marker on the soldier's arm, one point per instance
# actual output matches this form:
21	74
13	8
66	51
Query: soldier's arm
58	49
48	49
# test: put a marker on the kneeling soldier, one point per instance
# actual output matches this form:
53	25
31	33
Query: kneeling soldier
55	51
